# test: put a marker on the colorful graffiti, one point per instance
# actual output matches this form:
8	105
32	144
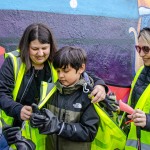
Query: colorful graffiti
2	51
144	7
100	27
143	21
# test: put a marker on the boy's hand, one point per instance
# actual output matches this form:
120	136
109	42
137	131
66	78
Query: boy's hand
46	122
51	125
38	119
98	94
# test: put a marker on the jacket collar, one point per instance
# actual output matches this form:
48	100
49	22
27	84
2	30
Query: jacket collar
71	89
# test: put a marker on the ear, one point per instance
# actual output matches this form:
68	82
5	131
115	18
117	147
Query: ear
82	69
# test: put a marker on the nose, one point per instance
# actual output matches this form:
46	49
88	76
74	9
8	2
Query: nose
60	74
40	52
141	53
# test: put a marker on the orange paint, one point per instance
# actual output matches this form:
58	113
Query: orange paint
144	3
129	121
2	50
120	92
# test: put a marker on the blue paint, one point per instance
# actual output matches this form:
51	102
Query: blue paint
110	8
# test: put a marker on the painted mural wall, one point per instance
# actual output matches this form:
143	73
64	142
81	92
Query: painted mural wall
100	27
144	21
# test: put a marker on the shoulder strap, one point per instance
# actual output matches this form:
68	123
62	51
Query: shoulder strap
144	97
19	70
48	89
129	99
133	83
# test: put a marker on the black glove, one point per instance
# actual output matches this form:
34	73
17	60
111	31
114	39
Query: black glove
49	125
10	134
109	104
24	144
38	118
52	125
13	136
35	109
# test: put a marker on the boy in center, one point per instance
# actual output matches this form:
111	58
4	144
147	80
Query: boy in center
69	119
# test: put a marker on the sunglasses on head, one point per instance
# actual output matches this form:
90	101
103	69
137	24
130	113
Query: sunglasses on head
145	49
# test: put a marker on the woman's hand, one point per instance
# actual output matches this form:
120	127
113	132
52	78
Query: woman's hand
98	94
26	112
138	117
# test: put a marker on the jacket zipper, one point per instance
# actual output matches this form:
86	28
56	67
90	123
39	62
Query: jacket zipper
29	83
57	138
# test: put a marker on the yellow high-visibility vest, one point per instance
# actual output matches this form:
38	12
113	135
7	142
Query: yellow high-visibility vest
144	105
46	90
109	135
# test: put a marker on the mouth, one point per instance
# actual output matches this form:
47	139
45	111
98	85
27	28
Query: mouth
39	58
145	59
62	81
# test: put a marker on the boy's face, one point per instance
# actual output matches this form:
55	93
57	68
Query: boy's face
69	75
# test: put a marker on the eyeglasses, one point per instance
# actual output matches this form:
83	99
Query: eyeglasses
145	49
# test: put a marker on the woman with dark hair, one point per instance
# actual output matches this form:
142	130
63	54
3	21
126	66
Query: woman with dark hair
23	74
43	35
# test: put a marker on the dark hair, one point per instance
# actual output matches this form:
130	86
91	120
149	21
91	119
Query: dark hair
32	32
69	55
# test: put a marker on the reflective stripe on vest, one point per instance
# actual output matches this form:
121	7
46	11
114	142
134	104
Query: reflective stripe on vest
33	133
133	143
129	99
46	91
46	94
144	105
13	55
19	69
109	135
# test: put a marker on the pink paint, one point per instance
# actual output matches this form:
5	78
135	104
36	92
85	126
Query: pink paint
125	107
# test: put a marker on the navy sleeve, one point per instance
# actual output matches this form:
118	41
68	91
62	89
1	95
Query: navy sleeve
147	127
7	103
85	130
98	81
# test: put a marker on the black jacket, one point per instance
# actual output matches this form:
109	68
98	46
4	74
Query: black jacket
29	89
74	108
141	84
